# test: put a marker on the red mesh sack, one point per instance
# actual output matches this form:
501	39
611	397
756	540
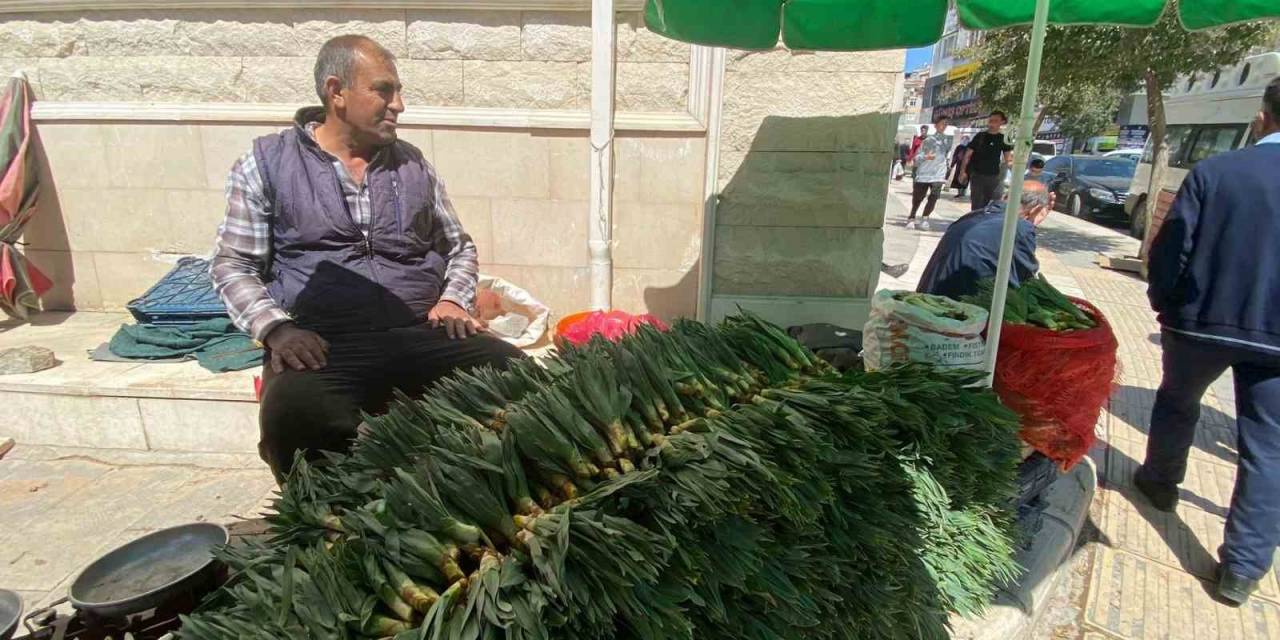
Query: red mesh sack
580	327
1058	382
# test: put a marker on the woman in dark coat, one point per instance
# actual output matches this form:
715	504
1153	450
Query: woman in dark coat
956	160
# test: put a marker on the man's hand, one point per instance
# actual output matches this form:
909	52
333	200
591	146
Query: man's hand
457	322
297	349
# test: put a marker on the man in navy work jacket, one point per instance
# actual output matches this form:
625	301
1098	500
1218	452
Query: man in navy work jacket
342	254
970	249
1215	282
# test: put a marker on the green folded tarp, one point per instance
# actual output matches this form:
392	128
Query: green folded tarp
216	344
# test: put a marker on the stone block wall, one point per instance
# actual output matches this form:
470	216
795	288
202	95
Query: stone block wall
529	59
804	163
803	173
124	200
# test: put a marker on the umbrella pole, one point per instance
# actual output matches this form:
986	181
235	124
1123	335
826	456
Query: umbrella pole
1012	210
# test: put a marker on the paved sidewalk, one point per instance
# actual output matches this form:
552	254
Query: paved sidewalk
64	507
1138	573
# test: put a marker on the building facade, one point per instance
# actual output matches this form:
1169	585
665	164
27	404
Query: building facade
913	86
949	90
143	106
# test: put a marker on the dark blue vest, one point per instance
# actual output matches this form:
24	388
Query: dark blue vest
324	271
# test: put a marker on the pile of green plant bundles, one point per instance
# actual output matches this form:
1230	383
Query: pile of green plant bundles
1035	302
718	482
938	306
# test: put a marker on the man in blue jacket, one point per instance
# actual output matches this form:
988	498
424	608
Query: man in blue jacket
968	252
1215	283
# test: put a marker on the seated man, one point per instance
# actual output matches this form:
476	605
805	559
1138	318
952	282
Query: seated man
1035	171
341	253
970	248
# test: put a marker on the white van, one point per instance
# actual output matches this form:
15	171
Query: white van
1207	114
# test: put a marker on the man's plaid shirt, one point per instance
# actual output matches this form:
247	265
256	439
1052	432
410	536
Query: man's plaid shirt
244	244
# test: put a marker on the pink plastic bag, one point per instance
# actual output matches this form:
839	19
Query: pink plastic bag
580	327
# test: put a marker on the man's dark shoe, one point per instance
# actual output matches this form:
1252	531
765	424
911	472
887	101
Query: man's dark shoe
1161	496
1233	589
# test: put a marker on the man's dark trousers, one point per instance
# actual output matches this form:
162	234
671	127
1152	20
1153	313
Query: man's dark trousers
983	189
320	410
1190	366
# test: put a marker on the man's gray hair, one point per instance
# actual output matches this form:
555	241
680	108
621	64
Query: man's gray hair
1034	194
337	58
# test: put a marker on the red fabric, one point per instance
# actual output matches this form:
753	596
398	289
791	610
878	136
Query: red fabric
610	324
915	148
1058	382
9	277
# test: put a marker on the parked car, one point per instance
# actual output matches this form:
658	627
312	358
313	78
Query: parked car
1132	155
1090	185
1040	150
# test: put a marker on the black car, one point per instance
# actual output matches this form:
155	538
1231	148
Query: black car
1090	185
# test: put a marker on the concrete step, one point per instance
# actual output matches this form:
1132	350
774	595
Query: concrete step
109	405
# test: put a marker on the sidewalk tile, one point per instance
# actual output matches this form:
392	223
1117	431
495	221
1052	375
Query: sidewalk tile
210	496
47	549
29	490
1187	540
1213	443
1136	599
1208	486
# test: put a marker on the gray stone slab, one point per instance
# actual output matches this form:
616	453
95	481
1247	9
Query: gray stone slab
28	359
52	545
209	496
790	189
840	133
130	457
797	261
31	490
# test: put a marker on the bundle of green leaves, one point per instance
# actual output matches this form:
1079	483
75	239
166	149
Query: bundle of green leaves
717	482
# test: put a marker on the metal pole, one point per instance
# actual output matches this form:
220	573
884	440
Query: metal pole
604	54
1013	209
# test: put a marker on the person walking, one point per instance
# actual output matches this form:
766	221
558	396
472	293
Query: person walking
931	172
957	159
900	161
915	147
1215	283
987	157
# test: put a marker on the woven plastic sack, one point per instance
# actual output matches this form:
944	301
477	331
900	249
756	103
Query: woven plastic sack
580	327
1058	382
897	333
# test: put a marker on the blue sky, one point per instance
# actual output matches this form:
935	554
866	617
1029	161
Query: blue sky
918	57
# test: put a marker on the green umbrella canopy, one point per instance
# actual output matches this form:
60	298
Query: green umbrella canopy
861	25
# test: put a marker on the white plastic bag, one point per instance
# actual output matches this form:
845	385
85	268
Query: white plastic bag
522	320
899	332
